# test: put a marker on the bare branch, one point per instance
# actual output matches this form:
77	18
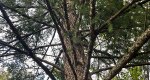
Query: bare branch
23	52
92	38
31	54
53	15
26	16
129	55
127	66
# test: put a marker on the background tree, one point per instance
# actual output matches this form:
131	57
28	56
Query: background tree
75	39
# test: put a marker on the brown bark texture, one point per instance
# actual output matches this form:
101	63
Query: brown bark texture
74	50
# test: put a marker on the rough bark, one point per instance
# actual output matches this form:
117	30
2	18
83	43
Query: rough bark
130	55
74	50
78	63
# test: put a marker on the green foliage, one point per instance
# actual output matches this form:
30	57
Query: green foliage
124	76
4	75
59	75
110	27
136	73
113	40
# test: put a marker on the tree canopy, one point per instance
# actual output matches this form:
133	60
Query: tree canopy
74	39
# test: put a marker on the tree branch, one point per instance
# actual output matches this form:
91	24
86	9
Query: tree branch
30	53
92	38
130	55
26	16
23	52
53	15
127	66
116	15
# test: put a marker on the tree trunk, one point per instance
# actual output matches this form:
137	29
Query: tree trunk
77	61
74	50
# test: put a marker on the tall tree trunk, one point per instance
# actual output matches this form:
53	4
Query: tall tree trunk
78	63
74	50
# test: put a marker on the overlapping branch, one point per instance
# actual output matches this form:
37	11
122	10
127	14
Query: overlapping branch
30	53
23	52
53	15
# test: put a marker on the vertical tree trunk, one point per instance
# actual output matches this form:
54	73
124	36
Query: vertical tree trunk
75	51
78	64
